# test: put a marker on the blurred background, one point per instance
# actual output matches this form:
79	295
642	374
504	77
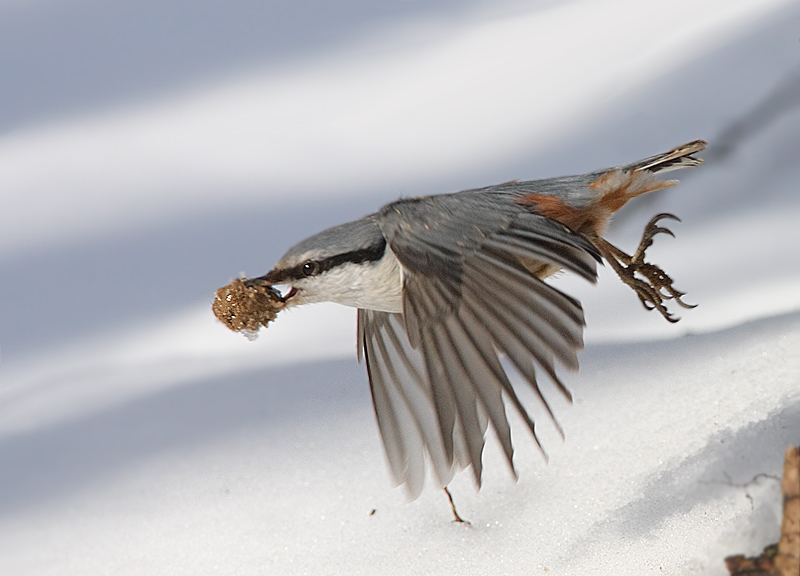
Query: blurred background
150	152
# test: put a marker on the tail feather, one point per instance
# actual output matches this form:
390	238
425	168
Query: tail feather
675	159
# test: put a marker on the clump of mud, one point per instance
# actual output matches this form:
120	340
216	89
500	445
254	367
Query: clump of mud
245	305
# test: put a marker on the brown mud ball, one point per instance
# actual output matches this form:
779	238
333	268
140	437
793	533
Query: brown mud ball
247	305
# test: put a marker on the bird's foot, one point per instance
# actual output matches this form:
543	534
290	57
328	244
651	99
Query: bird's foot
652	285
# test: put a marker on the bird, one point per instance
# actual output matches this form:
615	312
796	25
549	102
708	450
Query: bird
446	285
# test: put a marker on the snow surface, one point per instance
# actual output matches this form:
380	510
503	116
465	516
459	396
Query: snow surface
152	151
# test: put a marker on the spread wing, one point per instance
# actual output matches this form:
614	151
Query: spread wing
468	296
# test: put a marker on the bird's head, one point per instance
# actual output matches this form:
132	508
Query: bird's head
344	264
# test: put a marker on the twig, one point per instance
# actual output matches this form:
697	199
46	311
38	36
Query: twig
783	558
458	518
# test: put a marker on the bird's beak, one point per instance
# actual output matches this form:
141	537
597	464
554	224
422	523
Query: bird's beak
274	279
288	295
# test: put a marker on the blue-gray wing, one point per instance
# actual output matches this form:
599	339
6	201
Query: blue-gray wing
469	295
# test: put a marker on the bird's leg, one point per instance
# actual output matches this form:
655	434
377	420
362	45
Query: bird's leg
655	285
458	518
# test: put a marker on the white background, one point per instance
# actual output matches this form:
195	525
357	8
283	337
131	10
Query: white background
152	151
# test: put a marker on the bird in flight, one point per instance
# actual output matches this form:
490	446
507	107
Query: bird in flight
447	284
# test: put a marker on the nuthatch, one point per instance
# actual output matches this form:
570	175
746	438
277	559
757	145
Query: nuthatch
444	285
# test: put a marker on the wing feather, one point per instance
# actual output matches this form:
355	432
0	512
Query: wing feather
468	297
482	339
558	333
508	340
417	391
456	378
484	374
427	303
408	387
393	417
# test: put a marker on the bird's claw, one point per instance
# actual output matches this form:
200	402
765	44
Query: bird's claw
655	285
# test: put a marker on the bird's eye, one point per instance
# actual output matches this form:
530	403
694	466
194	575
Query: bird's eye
310	268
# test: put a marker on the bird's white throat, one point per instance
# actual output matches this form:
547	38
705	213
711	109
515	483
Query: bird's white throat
374	285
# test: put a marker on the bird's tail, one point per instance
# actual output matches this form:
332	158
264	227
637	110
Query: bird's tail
675	159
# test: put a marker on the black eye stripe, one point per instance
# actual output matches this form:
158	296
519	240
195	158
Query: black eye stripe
316	267
310	268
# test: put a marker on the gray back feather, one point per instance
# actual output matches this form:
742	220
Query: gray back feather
358	235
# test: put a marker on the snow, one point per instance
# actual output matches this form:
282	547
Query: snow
138	436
